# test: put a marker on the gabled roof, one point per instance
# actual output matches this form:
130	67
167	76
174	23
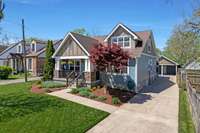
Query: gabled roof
7	49
124	27
195	65
84	42
162	56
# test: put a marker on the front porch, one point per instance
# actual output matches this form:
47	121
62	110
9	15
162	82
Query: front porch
72	69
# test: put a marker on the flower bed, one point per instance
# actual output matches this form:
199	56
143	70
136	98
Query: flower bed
109	96
46	86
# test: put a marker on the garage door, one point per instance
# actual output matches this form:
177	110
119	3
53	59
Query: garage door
169	70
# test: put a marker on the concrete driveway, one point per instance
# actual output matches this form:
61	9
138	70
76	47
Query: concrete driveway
154	110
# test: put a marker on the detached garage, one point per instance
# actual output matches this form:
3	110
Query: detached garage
167	66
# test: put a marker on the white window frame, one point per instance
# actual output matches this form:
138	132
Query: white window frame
117	37
32	47
29	69
19	48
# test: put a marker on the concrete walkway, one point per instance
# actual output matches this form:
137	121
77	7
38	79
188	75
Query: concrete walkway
85	101
4	82
154	110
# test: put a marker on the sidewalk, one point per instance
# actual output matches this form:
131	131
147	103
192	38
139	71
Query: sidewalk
85	101
4	82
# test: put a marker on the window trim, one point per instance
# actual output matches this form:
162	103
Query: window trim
32	47
19	48
29	64
123	46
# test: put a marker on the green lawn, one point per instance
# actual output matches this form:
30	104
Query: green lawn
24	112
185	118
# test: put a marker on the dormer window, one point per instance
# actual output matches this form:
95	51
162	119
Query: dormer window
33	47
123	41
19	48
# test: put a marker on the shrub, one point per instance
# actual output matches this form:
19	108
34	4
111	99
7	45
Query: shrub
92	96
84	89
84	93
38	82
101	98
5	71
74	91
115	100
51	84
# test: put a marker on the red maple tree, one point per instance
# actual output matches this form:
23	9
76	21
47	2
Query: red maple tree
110	57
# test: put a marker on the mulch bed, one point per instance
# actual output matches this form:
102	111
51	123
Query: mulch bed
109	93
38	90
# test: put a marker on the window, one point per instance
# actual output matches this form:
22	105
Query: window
33	47
123	41
19	49
149	48
29	64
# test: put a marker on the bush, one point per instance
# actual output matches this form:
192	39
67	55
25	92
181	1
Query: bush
84	93
5	71
84	89
92	96
101	98
74	91
115	100
38	82
51	84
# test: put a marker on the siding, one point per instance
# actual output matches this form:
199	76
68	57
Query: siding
146	70
71	48
121	81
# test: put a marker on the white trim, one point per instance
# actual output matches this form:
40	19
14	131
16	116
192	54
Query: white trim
169	59
19	45
149	55
122	36
116	27
62	43
71	57
167	65
34	47
136	72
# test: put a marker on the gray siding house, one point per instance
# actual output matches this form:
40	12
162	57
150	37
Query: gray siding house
74	52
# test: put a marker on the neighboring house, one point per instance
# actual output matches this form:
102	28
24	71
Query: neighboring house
74	52
167	66
35	54
3	47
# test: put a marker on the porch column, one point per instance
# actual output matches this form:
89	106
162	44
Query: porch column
87	65
161	70
57	69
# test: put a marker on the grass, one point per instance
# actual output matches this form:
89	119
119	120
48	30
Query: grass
24	112
17	76
185	119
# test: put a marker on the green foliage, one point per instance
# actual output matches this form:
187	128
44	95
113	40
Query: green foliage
18	105
184	43
115	100
51	84
84	93
49	62
101	98
75	91
81	31
5	71
92	96
185	119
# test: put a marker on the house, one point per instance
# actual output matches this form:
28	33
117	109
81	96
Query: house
167	66
35	54
3	47
74	52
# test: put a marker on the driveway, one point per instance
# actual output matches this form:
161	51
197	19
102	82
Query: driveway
154	110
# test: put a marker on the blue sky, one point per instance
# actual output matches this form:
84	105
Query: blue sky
52	19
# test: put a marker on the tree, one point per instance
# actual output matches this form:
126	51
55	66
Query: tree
183	45
49	62
81	31
109	57
1	9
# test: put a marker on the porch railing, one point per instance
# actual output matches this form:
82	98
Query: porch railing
77	78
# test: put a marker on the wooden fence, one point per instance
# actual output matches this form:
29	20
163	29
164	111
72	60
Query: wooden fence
192	80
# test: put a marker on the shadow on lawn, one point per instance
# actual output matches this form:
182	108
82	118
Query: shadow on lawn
15	105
